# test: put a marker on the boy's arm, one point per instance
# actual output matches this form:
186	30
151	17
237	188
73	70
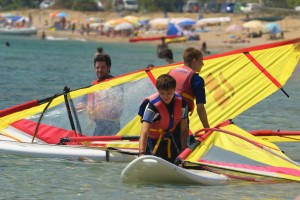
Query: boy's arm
202	115
184	133
144	137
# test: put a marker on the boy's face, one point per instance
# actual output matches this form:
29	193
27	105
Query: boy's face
167	95
198	64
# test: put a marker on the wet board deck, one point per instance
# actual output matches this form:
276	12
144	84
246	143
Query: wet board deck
151	169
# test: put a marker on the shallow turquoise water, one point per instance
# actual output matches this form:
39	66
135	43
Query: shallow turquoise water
32	68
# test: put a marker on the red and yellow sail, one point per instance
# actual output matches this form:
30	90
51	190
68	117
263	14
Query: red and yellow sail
233	149
235	81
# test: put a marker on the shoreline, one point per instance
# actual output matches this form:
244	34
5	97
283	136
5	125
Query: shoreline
216	38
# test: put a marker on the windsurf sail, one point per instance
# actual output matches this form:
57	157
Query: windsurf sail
233	149
235	81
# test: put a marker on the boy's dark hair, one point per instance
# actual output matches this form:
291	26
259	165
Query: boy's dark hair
103	58
165	82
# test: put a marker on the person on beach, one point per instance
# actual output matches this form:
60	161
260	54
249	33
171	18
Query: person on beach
190	84
160	114
43	35
161	48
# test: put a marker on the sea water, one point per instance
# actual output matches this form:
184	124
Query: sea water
31	68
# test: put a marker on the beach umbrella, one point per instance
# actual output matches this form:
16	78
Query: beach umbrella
234	28
254	24
5	15
174	29
159	23
213	20
52	15
143	22
13	18
272	27
188	22
132	19
94	20
97	24
26	19
61	14
114	22
123	26
74	21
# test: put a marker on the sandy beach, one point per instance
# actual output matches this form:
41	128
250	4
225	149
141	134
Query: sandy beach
216	37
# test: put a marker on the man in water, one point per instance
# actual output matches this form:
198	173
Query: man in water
99	51
168	56
161	48
102	64
104	106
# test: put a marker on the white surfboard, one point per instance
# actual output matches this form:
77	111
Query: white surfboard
62	151
151	169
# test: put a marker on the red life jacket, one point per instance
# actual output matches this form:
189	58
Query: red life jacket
165	124
94	82
91	97
101	105
183	76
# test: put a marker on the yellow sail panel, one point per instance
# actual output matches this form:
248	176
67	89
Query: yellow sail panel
238	81
237	150
132	128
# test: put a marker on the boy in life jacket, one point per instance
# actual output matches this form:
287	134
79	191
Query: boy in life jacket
161	113
190	85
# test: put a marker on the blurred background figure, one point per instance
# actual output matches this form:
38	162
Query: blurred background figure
161	47
168	56
99	51
150	66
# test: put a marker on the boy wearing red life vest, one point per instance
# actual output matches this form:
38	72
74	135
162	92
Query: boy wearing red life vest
161	113
190	85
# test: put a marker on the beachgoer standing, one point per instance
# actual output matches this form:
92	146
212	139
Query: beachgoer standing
161	113
168	56
43	35
161	47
